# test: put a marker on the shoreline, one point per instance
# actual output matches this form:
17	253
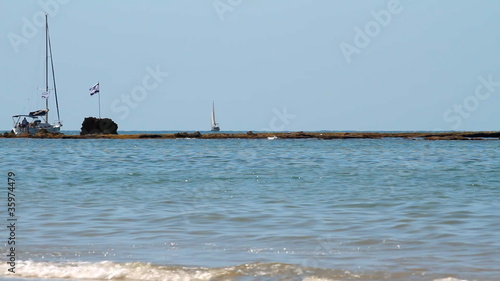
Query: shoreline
470	135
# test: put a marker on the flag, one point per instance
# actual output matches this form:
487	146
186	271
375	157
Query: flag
94	89
45	95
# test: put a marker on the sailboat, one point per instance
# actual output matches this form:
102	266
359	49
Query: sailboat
39	119
215	125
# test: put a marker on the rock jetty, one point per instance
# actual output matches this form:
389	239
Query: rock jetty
494	135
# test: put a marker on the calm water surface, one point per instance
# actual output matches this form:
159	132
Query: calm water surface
254	209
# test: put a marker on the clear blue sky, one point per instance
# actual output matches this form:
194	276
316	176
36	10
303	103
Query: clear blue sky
282	65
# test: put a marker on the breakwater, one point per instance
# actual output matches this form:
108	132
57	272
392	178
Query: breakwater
483	135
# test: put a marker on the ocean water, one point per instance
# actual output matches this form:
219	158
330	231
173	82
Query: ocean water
189	209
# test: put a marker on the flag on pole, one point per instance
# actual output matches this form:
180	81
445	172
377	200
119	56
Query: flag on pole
45	95
94	89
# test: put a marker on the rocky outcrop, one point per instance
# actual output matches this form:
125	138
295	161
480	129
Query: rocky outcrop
44	134
9	134
449	138
97	132
188	135
98	126
150	136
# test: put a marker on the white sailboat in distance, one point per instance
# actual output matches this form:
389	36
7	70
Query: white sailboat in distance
21	124
215	125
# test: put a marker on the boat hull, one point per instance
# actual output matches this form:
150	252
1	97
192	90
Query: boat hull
51	128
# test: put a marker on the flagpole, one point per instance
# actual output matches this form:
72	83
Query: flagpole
95	90
99	93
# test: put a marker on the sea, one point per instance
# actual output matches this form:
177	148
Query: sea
240	209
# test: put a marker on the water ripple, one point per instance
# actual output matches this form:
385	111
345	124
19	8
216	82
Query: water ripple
384	209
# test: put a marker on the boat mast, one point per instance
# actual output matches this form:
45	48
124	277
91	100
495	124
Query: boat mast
46	67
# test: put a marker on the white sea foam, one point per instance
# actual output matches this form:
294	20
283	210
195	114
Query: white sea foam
107	270
317	279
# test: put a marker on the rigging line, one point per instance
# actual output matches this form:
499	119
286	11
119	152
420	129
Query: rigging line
53	78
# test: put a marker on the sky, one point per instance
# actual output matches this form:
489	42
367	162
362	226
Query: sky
279	65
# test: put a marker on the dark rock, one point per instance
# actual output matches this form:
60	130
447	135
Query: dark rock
104	126
250	133
483	135
451	137
9	135
41	134
150	136
188	135
300	135
44	134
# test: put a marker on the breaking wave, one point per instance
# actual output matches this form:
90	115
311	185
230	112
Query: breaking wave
107	270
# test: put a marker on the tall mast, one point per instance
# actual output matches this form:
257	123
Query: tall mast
46	66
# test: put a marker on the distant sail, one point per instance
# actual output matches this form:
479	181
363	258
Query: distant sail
215	125
213	118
